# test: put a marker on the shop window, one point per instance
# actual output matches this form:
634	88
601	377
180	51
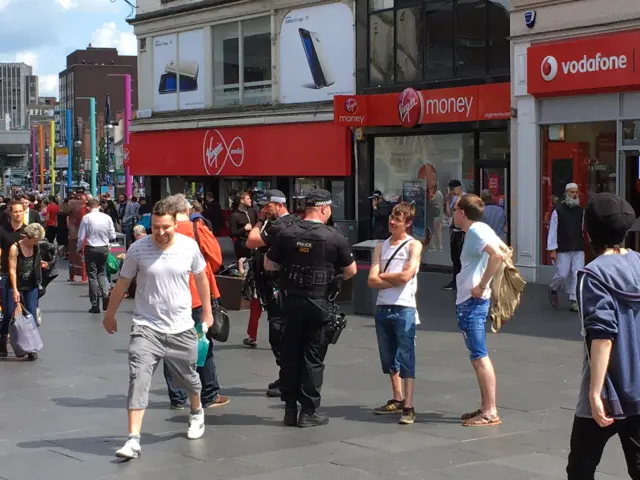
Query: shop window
470	37
438	39
494	145
381	41
499	44
581	153
409	44
418	169
242	76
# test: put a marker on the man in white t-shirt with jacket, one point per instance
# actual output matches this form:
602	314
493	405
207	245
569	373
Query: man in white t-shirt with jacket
393	272
480	258
162	322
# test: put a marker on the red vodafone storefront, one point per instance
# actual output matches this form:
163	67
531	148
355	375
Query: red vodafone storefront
291	157
579	122
412	143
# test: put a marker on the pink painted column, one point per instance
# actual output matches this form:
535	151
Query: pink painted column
128	179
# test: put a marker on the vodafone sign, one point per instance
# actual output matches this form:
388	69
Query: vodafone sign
586	65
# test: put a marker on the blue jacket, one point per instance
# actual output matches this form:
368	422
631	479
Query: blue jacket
609	299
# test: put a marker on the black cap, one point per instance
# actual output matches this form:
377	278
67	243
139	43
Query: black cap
376	194
607	219
455	183
318	198
272	196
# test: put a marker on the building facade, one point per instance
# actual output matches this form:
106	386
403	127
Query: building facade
432	106
576	95
238	96
93	73
18	89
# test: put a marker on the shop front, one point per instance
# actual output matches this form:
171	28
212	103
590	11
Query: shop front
293	157
579	123
412	143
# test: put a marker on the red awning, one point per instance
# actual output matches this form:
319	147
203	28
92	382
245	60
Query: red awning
298	149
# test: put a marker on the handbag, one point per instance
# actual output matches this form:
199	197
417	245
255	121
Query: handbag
113	265
25	337
221	326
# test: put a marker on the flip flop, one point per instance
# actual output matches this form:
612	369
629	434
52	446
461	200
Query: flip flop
468	415
482	421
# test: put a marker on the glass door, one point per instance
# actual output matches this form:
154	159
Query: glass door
630	190
494	177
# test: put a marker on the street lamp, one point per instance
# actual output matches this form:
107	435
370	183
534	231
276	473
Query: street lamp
92	125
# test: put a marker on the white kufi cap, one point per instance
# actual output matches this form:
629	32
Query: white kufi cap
571	186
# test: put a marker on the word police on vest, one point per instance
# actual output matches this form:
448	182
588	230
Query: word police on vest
304	247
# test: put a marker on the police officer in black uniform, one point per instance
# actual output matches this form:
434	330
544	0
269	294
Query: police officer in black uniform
310	255
274	218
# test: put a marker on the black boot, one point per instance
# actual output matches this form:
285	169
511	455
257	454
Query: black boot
309	418
273	390
105	303
3	348
291	416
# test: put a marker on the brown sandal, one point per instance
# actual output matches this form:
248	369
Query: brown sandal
468	415
482	420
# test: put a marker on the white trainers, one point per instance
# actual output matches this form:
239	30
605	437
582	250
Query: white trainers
196	425
131	449
38	317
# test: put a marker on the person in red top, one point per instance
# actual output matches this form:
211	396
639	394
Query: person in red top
51	218
212	254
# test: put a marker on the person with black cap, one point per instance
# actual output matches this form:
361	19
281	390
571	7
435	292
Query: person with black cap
609	307
456	235
310	255
381	213
273	219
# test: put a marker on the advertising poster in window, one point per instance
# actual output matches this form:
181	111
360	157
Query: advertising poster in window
189	69
413	192
165	58
317	54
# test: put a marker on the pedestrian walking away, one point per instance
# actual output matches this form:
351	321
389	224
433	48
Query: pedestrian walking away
480	258
394	270
162	318
275	217
95	234
609	308
310	256
456	235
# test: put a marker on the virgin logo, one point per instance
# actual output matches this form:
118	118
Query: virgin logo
410	107
216	152
351	106
125	155
549	68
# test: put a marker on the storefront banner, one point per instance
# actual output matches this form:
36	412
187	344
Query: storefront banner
296	149
177	71
603	63
317	54
408	108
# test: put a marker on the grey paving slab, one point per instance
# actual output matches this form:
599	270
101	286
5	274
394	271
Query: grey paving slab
65	413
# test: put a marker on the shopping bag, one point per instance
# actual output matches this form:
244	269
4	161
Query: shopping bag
25	337
203	344
113	265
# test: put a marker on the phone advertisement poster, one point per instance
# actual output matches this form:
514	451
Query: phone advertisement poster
414	192
317	54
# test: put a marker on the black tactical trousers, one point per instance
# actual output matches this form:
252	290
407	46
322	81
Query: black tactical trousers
304	346
276	327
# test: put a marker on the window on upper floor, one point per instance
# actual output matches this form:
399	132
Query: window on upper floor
242	63
431	40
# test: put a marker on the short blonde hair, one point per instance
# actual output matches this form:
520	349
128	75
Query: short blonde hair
34	230
139	230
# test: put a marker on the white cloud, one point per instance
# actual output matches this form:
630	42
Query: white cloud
86	5
30	58
48	85
109	36
4	4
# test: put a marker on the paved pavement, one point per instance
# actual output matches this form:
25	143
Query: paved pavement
63	417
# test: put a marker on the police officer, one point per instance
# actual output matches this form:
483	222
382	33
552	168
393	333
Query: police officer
309	255
274	218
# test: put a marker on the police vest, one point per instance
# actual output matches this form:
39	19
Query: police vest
308	267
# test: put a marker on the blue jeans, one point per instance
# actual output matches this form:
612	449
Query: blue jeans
208	376
28	298
472	316
396	331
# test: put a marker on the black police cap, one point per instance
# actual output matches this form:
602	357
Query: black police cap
318	198
272	196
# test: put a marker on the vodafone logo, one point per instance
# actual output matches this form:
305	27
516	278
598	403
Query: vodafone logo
549	68
351	106
216	152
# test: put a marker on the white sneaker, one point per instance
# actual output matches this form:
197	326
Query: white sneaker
38	317
131	449
196	425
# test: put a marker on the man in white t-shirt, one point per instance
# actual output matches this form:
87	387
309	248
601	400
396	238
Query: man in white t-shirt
480	258
162	323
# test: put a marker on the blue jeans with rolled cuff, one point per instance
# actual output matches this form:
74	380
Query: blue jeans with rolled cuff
396	332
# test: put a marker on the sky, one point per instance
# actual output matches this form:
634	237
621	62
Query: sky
41	33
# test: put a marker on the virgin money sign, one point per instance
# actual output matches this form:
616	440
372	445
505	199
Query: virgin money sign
605	63
319	149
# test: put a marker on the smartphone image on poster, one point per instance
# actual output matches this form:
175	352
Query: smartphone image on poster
316	58
169	84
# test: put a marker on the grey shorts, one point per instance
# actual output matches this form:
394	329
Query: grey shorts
146	348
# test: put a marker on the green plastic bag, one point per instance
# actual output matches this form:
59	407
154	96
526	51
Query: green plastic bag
113	265
203	344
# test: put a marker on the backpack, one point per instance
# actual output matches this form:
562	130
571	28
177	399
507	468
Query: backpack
507	286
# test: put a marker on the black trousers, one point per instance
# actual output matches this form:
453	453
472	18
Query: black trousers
276	328
304	346
456	240
96	261
588	440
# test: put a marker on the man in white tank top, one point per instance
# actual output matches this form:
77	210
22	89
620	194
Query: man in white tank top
394	269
